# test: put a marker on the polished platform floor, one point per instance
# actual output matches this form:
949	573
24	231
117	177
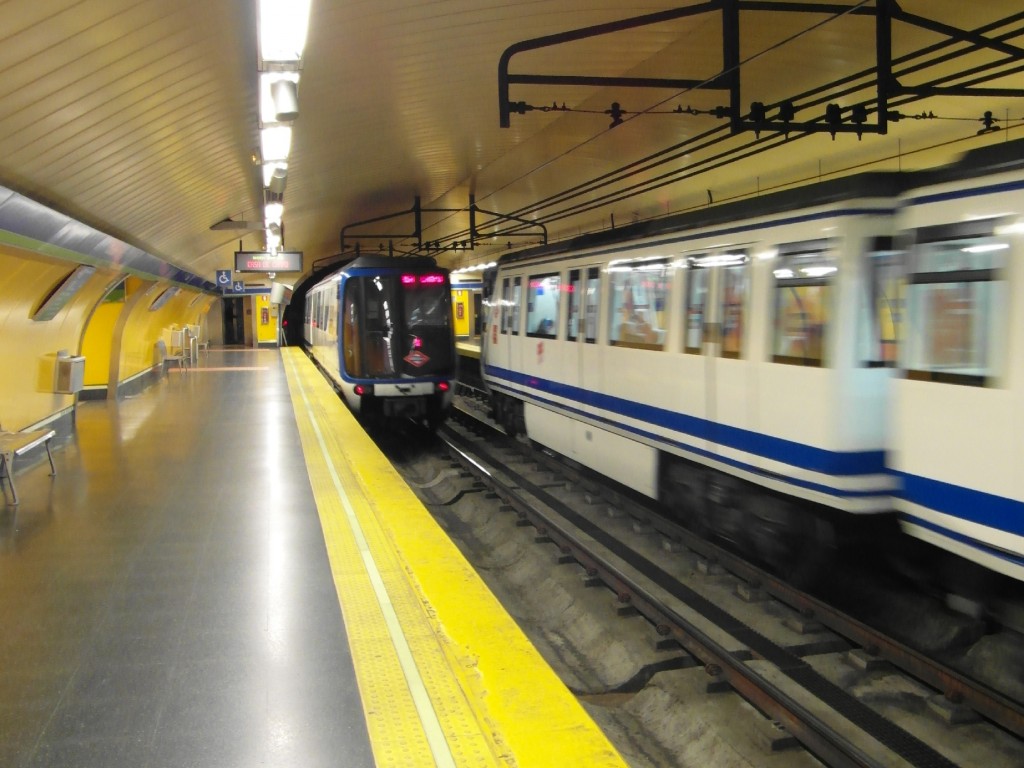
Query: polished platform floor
226	572
166	599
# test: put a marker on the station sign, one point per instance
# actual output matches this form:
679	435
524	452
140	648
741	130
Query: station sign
239	288
264	261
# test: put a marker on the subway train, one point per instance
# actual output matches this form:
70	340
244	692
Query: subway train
781	371
381	328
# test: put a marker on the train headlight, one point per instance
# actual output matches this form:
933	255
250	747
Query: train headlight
363	389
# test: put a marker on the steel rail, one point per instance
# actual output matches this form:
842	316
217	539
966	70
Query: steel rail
957	687
818	736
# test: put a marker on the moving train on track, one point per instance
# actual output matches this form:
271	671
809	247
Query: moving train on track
381	328
776	368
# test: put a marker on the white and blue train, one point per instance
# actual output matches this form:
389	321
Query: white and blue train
381	328
773	369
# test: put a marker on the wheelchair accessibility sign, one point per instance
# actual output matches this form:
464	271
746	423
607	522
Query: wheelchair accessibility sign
239	288
223	279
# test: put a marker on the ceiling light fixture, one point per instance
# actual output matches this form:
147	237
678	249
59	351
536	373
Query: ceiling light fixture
282	29
269	110
273	213
275	143
286	99
278	177
283	26
270	170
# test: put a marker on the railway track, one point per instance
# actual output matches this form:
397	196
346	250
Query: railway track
778	676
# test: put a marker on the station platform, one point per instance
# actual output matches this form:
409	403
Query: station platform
225	572
468	348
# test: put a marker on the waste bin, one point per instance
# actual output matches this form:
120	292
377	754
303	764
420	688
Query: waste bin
70	374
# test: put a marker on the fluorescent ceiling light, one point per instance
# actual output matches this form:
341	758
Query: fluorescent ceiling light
819	271
1016	228
272	213
722	260
283	27
986	248
275	143
616	262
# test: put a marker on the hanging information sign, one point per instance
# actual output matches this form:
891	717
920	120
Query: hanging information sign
264	261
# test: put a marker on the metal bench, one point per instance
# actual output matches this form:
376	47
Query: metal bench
174	348
17	444
164	358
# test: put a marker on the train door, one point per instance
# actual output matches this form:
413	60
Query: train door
477	314
499	339
502	348
583	368
716	296
584	296
511	317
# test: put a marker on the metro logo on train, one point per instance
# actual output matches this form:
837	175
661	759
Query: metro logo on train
416	358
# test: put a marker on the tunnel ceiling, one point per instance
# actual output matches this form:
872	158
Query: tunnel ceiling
139	117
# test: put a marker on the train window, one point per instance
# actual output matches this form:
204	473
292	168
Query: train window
378	337
592	299
542	297
322	313
734	298
804	274
882	315
424	345
725	331
572	320
517	300
696	303
352	336
398	326
332	314
639	293
583	297
957	299
506	304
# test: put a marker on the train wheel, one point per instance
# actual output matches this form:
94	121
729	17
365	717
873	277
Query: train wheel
786	538
726	509
684	493
520	417
510	416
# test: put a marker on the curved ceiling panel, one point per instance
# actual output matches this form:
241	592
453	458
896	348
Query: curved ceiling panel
139	117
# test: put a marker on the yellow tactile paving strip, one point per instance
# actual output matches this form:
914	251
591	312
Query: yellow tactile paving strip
446	676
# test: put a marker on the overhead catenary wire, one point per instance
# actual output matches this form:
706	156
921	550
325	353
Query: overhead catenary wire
906	64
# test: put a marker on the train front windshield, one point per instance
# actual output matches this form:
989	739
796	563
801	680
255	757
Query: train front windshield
397	326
